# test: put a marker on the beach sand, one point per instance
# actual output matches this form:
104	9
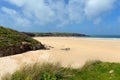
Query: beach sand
69	51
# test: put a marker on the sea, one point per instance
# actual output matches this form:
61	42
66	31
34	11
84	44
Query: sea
104	36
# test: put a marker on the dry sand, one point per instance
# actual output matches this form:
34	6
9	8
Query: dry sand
81	50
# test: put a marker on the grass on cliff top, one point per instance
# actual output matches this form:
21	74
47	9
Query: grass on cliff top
58	34
90	71
9	37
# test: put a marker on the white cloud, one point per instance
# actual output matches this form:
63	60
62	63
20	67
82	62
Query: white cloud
8	11
42	12
76	10
35	9
96	7
13	18
18	3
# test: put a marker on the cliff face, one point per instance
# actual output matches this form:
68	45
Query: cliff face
13	42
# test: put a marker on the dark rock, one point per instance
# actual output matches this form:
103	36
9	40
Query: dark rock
66	49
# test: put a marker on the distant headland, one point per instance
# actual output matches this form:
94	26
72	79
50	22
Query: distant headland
54	34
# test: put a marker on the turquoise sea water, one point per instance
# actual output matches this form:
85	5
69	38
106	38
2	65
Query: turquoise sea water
104	36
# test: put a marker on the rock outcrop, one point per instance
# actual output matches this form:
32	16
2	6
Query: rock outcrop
13	42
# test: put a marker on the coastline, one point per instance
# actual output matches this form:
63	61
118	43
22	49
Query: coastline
80	51
99	38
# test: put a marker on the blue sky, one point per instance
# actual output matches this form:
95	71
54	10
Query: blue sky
80	16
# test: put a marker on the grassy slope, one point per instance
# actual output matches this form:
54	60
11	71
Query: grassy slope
91	71
11	39
58	34
99	71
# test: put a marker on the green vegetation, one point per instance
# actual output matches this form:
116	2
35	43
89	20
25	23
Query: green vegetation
14	42
56	34
91	71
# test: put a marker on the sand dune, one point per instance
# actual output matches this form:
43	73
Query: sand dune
66	50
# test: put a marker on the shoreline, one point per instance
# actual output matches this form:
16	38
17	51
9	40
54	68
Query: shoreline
80	37
99	38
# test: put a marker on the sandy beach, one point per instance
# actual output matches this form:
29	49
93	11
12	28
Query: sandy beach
68	51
